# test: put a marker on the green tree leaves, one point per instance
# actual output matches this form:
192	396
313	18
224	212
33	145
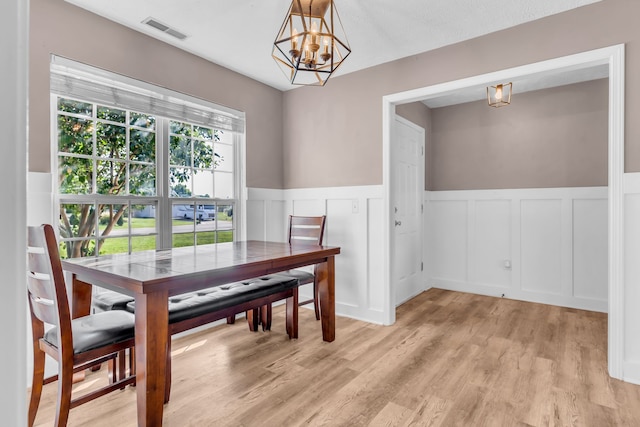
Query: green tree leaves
111	151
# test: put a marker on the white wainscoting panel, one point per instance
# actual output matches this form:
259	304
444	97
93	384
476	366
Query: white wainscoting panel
277	231
375	255
492	224
266	215
449	239
256	217
590	249
352	262
309	207
540	245
354	222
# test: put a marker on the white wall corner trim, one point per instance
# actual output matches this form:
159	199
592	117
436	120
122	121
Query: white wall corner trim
632	372
14	83
632	183
631	277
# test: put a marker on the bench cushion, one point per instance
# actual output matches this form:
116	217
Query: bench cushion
194	304
97	330
107	300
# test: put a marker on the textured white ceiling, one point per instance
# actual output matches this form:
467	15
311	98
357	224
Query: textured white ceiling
239	34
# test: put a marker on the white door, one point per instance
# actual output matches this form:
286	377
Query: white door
407	189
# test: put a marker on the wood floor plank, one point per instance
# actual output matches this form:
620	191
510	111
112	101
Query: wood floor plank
451	359
392	415
431	412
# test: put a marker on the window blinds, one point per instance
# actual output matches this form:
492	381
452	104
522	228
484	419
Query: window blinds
80	81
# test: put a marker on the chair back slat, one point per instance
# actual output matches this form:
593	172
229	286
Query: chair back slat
45	310
306	229
305	232
45	279
39	274
307	220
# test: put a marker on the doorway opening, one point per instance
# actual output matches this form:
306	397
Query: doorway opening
613	58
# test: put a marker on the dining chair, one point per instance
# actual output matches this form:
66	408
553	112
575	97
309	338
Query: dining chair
307	230
76	344
303	230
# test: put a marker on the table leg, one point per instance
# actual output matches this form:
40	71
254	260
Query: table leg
326	290
80	298
152	331
292	315
80	306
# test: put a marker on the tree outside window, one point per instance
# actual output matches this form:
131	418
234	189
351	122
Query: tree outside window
108	176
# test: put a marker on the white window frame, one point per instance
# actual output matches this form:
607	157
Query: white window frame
164	231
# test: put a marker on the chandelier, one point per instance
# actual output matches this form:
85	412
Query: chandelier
499	95
311	43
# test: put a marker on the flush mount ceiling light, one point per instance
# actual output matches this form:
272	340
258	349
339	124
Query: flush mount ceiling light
499	95
311	43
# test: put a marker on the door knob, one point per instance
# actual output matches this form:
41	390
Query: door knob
398	223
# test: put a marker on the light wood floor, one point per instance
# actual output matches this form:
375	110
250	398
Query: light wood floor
451	359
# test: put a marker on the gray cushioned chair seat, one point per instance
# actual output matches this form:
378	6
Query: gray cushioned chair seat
97	330
193	304
303	277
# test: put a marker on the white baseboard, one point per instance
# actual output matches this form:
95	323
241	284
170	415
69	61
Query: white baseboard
534	297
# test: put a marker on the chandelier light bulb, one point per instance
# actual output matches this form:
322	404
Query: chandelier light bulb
307	52
499	93
325	52
294	40
314	33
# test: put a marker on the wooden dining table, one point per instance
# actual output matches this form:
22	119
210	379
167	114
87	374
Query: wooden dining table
153	276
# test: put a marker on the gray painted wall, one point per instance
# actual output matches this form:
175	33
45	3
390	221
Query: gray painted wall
57	27
549	138
342	128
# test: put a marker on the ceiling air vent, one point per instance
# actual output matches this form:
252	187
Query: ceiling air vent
153	22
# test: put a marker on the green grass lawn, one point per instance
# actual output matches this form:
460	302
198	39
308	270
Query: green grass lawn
151	222
143	223
142	243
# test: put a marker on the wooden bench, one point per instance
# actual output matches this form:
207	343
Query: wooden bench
189	310
193	309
